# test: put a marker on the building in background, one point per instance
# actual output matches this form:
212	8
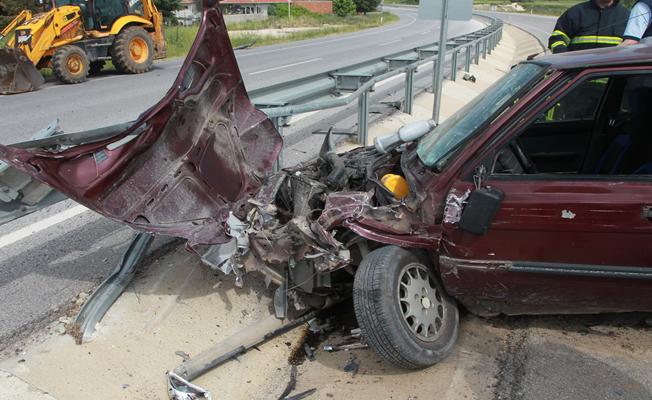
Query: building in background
190	13
246	10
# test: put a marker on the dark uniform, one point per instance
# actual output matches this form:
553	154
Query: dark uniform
587	26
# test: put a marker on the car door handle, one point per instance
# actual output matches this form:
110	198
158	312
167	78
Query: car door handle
647	212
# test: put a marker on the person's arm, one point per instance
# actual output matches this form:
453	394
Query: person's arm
561	36
639	20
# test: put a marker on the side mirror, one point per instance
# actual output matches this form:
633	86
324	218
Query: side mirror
480	210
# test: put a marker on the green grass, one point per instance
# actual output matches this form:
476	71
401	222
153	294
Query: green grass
180	38
543	7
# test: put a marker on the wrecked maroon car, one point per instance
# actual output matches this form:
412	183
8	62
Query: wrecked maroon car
535	198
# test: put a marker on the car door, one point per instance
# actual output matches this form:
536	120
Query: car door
559	242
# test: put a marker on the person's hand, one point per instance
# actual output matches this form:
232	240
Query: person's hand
629	42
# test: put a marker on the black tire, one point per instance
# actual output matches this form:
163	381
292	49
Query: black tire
96	67
380	314
124	59
70	64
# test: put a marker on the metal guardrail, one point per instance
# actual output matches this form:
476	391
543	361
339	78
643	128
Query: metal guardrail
325	90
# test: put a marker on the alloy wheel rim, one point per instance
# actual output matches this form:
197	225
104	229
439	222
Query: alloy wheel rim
420	302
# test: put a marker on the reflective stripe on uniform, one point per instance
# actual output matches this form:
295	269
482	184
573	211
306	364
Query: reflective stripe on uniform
564	36
597	40
557	44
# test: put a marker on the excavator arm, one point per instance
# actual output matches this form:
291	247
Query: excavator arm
20	19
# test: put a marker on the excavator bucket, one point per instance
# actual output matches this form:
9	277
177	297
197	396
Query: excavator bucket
17	73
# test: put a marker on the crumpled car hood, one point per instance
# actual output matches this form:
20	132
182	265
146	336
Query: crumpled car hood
187	163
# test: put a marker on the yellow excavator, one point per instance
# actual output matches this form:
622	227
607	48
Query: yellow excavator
75	38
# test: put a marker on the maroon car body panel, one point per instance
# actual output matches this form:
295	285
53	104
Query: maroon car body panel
558	244
202	153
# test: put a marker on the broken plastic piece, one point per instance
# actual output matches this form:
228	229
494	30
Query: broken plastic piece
396	184
181	389
407	133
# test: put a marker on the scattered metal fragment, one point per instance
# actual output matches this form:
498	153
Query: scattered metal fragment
310	352
181	389
107	293
302	395
331	348
292	383
233	346
469	78
184	356
352	366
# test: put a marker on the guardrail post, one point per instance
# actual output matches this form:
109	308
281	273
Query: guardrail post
363	117
490	44
477	52
278	123
484	48
467	59
409	91
454	65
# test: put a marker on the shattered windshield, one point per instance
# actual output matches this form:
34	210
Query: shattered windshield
436	147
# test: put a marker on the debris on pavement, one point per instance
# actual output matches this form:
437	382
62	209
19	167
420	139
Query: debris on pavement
233	346
302	395
184	356
292	383
181	389
352	366
469	78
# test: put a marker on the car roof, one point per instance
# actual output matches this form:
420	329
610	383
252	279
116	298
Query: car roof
605	57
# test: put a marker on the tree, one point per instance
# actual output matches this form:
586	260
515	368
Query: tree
365	6
10	8
168	7
342	8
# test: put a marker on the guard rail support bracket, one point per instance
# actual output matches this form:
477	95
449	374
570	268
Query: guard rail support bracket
349	82
363	117
409	91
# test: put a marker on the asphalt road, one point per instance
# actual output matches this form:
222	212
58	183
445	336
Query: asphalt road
49	257
112	98
537	25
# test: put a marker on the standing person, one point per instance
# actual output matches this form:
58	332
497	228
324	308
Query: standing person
639	25
589	25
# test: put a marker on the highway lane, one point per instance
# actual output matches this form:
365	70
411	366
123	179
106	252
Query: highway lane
112	98
540	26
55	258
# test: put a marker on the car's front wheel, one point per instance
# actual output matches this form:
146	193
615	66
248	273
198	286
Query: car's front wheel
403	312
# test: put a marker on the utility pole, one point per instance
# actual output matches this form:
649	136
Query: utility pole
438	77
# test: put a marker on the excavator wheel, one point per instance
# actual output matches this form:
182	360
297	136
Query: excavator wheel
133	51
70	64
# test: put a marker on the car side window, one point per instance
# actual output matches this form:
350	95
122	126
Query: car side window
579	105
600	127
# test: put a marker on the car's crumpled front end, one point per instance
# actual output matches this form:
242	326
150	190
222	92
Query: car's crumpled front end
198	165
310	225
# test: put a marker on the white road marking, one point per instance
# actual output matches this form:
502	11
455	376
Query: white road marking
388	80
388	43
299	117
39	226
284	66
425	33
